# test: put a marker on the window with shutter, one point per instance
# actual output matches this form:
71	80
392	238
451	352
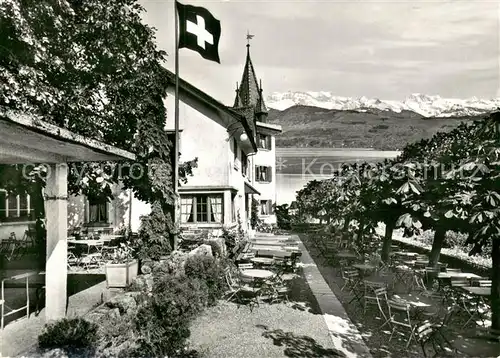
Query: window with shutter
263	174
269	142
264	141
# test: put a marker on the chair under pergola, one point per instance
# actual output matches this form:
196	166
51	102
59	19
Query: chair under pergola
27	140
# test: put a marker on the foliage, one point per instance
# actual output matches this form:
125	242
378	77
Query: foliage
123	254
162	323
153	241
283	217
254	215
447	182
94	68
210	271
231	238
74	335
217	250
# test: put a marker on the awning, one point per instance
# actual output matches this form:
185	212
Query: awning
249	189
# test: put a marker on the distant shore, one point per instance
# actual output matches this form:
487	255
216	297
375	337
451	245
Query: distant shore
360	153
295	167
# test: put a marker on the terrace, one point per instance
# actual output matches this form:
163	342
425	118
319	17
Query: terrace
26	139
405	308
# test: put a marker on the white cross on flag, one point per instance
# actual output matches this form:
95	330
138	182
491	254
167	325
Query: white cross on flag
199	31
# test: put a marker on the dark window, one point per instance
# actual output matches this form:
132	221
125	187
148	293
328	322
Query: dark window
235	149
264	141
98	211
266	207
244	164
263	174
202	208
15	207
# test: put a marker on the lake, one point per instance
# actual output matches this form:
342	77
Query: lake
295	167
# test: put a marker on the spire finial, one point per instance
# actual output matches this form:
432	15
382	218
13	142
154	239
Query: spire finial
249	37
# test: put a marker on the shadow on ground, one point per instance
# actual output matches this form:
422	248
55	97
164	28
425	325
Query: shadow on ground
298	346
15	290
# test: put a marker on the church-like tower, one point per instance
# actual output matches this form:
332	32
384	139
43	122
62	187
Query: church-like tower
249	101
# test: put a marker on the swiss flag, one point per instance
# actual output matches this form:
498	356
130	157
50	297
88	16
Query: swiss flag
199	31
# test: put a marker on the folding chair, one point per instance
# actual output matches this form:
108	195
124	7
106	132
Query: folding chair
351	280
235	287
375	294
399	317
248	266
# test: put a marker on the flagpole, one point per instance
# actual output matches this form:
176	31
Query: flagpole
176	121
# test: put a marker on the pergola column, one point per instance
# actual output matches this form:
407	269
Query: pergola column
56	213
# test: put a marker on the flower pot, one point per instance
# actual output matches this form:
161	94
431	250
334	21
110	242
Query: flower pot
121	275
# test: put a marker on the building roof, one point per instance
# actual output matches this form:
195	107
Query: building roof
192	95
26	139
249	93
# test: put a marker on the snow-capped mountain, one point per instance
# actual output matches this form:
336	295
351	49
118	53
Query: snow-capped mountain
427	106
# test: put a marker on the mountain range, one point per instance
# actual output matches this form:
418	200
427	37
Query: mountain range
425	105
320	120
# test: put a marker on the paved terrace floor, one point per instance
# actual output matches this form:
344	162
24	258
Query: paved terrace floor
313	324
21	336
319	328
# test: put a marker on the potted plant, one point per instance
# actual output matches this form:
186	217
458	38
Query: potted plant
122	269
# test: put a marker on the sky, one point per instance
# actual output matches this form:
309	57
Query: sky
378	49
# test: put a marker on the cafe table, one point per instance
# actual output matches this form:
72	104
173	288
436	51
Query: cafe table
364	268
262	260
97	244
478	291
405	253
346	255
422	306
257	274
452	275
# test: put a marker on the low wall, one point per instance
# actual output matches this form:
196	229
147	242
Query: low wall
453	262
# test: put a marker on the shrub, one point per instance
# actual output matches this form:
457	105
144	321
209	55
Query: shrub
162	323
208	270
216	249
154	236
72	335
283	217
254	218
230	238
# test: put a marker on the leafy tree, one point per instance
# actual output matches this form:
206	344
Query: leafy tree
283	217
91	67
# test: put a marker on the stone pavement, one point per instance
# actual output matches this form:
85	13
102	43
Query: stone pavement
343	332
21	336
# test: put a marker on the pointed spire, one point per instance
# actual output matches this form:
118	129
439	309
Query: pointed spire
250	95
237	99
260	108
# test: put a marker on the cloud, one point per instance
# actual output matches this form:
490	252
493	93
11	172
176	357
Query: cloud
383	49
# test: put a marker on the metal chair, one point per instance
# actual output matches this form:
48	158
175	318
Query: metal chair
399	317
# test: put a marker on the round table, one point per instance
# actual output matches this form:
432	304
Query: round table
256	273
262	260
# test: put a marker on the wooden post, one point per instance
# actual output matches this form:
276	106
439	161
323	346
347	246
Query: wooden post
56	271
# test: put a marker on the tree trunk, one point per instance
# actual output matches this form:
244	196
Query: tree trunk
386	246
495	284
437	244
345	228
360	232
